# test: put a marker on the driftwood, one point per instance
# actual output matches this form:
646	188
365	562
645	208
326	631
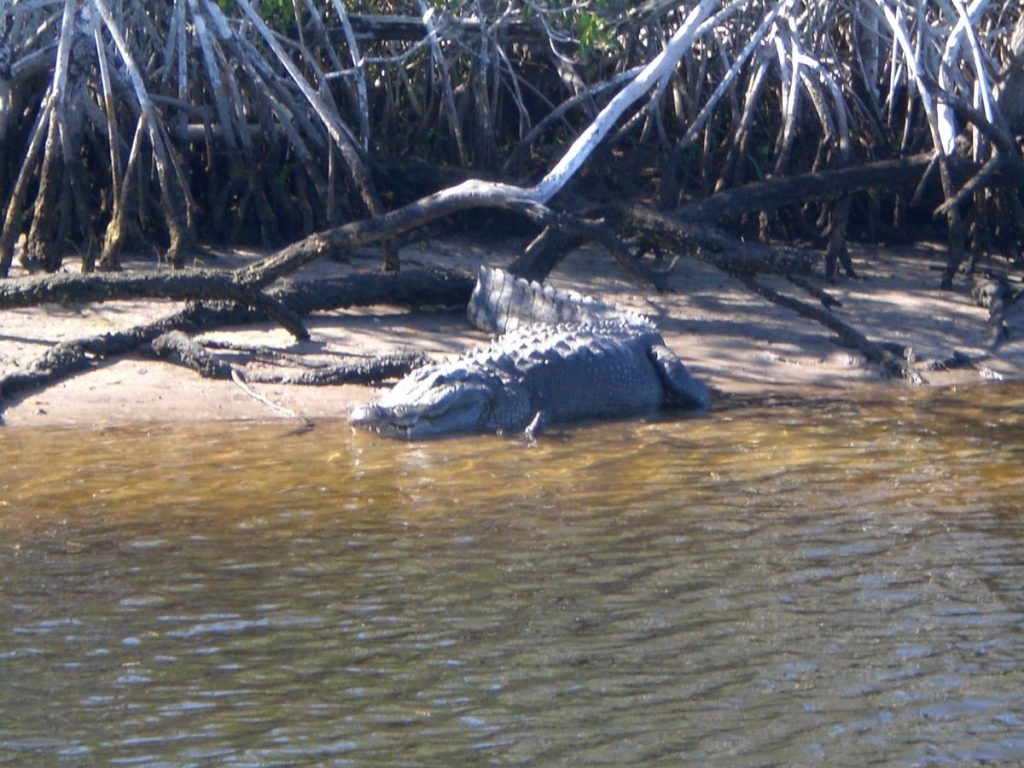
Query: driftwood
889	175
192	285
543	254
412	287
834	187
585	222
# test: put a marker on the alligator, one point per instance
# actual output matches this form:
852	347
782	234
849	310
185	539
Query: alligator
561	357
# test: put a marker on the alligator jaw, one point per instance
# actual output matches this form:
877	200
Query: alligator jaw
452	411
383	421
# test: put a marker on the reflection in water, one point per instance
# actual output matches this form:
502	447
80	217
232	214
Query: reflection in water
772	584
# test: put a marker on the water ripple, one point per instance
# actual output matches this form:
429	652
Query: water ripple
769	586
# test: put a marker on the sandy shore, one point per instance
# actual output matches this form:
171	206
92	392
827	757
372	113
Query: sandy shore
734	340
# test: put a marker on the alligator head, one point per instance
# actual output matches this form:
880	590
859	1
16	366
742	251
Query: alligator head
435	401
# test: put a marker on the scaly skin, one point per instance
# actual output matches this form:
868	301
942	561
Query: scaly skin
538	375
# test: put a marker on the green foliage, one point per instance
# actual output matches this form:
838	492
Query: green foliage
593	25
593	33
276	10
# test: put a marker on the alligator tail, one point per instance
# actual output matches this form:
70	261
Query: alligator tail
502	302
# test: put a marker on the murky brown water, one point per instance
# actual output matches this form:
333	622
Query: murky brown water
772	585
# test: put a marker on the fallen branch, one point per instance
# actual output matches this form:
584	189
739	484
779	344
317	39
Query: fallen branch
412	287
71	357
462	197
714	246
890	364
197	285
244	285
772	194
179	348
368	371
828	301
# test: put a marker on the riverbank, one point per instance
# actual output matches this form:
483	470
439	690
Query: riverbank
736	341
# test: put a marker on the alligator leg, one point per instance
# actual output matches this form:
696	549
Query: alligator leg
681	389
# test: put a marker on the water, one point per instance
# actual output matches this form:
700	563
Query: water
775	584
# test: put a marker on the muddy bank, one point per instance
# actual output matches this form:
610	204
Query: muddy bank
732	338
